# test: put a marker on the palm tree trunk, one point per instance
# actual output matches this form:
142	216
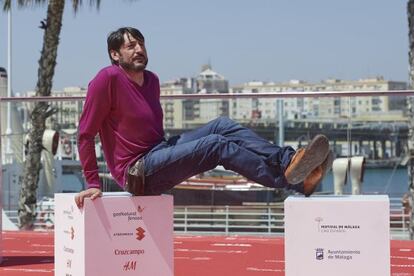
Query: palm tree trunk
410	100
39	114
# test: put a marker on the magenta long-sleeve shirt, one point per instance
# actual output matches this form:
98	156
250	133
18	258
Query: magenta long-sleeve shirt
128	118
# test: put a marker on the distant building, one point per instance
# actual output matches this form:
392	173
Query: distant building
192	113
174	111
321	108
68	112
210	82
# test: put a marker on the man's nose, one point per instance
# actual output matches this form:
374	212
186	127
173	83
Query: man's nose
139	48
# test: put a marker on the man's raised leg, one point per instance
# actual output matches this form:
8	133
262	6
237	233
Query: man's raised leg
169	165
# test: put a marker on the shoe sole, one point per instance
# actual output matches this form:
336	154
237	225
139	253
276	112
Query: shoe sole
326	166
314	155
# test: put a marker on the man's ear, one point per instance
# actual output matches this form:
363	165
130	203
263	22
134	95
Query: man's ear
115	55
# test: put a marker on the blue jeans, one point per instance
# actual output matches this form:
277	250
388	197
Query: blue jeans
220	142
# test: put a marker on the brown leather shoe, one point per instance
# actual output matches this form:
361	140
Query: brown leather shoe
306	160
313	180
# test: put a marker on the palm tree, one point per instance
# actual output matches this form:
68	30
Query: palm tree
410	13
42	110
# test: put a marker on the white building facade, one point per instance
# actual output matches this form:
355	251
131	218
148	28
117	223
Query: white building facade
320	108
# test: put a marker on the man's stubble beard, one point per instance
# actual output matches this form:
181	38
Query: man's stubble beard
130	66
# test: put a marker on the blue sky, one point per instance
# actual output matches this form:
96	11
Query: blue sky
268	40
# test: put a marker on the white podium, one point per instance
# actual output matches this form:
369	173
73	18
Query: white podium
337	235
117	234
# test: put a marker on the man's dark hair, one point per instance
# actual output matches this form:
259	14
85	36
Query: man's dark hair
116	39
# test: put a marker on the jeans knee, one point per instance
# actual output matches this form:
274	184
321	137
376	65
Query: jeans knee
213	143
225	121
215	139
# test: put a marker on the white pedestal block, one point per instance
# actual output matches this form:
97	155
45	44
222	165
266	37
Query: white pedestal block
116	234
337	235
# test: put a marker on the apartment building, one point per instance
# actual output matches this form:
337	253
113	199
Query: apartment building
68	112
194	112
321	108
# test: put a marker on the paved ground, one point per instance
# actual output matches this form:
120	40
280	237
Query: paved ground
31	254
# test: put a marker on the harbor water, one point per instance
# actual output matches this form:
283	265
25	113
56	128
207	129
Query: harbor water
393	182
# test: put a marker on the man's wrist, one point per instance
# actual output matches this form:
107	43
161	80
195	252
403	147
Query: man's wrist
94	185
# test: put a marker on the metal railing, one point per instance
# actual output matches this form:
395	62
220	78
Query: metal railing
229	219
252	219
274	95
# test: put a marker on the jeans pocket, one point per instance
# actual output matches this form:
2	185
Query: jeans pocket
136	179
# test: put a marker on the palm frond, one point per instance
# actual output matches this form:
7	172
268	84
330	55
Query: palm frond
77	3
23	3
6	5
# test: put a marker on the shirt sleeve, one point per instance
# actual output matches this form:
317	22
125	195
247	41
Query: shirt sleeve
96	108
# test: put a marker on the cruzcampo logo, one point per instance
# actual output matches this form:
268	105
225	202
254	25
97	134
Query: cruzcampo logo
140	233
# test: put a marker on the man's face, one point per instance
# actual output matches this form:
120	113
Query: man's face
132	55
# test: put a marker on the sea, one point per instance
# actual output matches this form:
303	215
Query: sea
393	182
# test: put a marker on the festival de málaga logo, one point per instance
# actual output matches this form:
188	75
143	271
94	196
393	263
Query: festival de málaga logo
318	220
335	228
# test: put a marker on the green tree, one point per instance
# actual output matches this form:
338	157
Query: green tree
42	110
410	13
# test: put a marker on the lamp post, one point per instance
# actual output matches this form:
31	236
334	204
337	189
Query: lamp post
8	153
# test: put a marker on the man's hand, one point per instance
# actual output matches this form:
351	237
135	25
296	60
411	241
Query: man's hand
91	192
